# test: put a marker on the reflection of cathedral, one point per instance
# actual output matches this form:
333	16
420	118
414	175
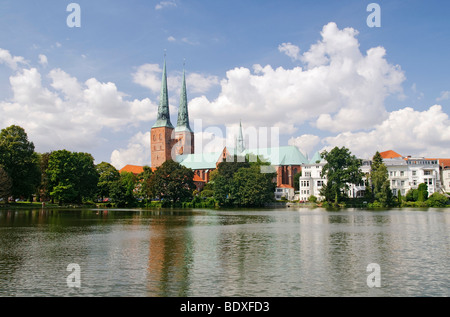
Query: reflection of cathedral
168	142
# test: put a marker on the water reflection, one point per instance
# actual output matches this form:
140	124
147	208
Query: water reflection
304	252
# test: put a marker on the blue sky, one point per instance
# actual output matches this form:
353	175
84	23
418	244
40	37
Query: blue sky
95	88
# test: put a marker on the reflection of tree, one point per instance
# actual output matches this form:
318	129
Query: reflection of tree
170	256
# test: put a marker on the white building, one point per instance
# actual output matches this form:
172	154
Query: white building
408	173
311	181
446	179
285	191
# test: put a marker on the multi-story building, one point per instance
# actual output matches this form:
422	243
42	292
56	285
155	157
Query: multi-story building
311	181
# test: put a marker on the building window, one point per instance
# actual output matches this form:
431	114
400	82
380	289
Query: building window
307	174
426	172
414	173
319	183
402	173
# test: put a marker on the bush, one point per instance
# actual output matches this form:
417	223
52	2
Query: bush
437	200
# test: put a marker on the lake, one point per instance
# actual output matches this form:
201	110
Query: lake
287	252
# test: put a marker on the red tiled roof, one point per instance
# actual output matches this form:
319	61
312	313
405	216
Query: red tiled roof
389	154
443	162
198	179
132	169
285	186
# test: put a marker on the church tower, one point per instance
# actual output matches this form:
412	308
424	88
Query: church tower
161	133
183	132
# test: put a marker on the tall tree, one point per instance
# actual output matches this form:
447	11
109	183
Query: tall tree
251	188
72	176
5	185
342	168
108	175
173	182
123	190
19	160
146	179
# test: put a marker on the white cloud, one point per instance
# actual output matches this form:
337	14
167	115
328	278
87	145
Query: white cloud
43	60
165	4
171	39
11	61
69	114
290	50
136	153
306	143
406	131
341	89
149	76
445	95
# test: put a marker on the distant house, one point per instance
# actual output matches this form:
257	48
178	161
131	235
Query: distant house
136	170
286	191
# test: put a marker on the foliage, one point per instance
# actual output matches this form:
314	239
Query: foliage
297	180
108	175
251	188
122	192
241	183
422	194
43	193
437	200
341	169
173	182
312	199
72	176
19	160
5	185
146	189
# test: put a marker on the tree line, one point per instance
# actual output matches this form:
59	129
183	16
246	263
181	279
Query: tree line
66	177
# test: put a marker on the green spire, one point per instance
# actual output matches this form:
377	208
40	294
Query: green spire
183	115
163	119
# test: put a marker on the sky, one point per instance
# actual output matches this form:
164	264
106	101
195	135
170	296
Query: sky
315	73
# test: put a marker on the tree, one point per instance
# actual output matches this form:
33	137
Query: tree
341	169
146	179
72	176
297	180
5	185
223	180
19	160
437	200
251	188
173	182
108	175
122	191
422	193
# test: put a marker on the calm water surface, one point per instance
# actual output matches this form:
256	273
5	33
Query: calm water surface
252	253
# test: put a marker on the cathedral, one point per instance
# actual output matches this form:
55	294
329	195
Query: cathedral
168	142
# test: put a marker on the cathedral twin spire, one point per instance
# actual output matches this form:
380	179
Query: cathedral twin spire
163	119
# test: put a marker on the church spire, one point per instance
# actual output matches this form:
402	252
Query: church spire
240	141
183	114
163	119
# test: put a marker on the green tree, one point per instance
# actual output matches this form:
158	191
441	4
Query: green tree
223	179
251	188
123	190
108	175
173	182
146	180
5	185
437	200
72	176
19	160
422	193
342	168
297	180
